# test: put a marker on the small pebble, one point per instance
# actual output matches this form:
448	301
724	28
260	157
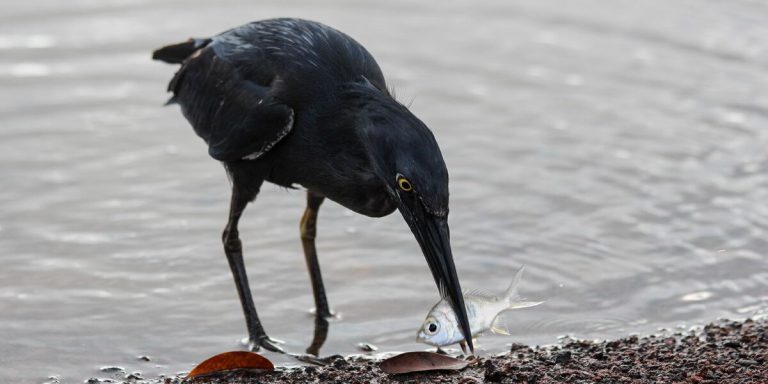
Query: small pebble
563	358
112	369
732	344
366	347
340	363
747	362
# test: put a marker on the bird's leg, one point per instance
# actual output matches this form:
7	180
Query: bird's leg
234	250
308	228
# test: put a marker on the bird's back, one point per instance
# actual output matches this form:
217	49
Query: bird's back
299	60
244	89
303	54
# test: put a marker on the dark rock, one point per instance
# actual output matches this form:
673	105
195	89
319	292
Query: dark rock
519	347
492	373
732	344
112	369
367	347
747	362
563	358
340	363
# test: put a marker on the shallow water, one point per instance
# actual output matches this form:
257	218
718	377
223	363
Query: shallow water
617	149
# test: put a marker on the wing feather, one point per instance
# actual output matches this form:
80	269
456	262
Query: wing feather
237	117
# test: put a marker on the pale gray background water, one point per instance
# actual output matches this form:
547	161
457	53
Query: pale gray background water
616	148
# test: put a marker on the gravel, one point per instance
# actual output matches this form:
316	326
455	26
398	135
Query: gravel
724	352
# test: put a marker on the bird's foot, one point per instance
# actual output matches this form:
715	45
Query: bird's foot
266	342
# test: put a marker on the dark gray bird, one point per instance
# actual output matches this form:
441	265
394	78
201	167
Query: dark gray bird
295	102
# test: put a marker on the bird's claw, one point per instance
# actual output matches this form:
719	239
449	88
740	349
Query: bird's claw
267	343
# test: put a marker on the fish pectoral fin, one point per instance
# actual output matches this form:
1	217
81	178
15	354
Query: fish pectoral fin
499	326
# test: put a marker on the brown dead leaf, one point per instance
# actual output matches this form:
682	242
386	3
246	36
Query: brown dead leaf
232	360
421	361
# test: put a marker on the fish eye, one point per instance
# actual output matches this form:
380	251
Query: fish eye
403	183
431	327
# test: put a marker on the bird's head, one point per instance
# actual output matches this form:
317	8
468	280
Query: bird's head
408	162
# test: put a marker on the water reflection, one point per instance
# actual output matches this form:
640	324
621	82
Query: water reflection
319	336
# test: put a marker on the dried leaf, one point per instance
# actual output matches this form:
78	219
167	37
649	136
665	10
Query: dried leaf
421	361
232	360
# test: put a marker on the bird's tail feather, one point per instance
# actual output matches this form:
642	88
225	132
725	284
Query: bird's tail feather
177	53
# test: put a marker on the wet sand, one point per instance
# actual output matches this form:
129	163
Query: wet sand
722	352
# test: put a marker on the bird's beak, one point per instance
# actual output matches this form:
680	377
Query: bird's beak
434	239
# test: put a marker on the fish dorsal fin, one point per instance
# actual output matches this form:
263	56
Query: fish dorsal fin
482	293
499	326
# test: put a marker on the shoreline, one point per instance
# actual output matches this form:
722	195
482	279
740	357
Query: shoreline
721	352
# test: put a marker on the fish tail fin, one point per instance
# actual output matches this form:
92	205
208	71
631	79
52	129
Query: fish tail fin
514	301
524	304
511	295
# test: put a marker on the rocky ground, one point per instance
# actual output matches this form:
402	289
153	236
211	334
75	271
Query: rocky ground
725	352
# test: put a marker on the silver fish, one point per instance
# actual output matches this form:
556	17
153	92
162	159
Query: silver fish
441	327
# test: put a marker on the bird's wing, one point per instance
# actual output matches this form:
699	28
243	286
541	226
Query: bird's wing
237	117
248	121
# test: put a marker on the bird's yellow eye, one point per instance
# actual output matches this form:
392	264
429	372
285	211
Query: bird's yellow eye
404	184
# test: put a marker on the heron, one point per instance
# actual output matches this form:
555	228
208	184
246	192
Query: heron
295	102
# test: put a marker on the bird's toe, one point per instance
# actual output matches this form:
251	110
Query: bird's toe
267	343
